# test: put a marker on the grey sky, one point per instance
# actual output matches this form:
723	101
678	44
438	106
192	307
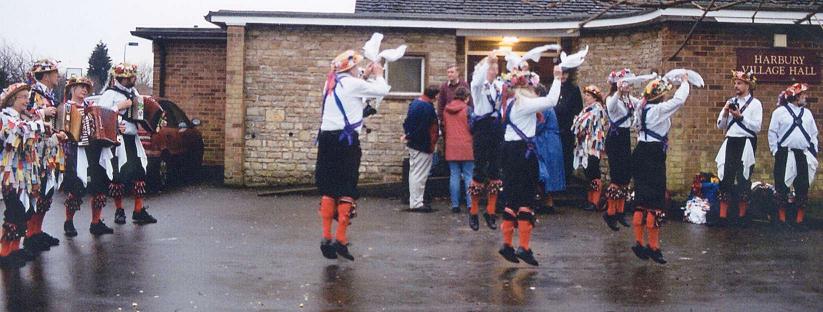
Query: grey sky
68	30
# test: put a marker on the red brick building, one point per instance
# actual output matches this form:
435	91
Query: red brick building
256	81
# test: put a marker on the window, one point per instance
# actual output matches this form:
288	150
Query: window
478	47
406	76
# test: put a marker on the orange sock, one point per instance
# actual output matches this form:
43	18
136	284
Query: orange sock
118	202
95	214
621	207
611	206
343	210
741	207
525	231
637	226
596	198
781	214
800	215
69	214
475	208
724	209
654	232
31	225
5	248
507	227
491	206
326	211
15	245
138	204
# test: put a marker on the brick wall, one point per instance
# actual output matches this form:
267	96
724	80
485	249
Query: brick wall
196	81
235	108
285	68
694	138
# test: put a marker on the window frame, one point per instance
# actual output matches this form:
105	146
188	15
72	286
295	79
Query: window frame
423	78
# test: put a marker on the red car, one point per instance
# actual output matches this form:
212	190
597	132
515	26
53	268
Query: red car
175	152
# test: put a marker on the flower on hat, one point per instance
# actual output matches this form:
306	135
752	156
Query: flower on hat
657	88
43	66
124	70
595	92
616	76
796	89
747	77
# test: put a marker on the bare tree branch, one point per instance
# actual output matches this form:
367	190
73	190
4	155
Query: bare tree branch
691	32
809	16
598	15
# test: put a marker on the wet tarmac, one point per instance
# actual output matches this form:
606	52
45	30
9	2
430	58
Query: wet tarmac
220	249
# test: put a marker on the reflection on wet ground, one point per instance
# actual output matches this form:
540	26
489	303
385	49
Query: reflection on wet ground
221	249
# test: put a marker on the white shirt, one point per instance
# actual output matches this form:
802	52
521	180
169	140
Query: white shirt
618	108
524	112
658	117
782	121
482	89
752	118
352	92
109	100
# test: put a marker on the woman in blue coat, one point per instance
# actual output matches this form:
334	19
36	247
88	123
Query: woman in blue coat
550	156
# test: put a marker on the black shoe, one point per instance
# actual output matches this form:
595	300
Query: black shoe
722	222
342	250
68	228
36	244
656	255
611	221
491	221
526	255
51	240
743	222
142	217
327	248
589	207
474	222
27	254
120	216
12	262
621	218
456	209
100	228
508	253
640	252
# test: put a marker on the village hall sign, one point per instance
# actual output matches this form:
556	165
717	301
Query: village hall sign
780	65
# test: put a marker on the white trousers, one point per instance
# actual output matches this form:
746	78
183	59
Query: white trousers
420	165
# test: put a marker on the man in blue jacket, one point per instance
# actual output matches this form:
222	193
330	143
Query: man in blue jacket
420	133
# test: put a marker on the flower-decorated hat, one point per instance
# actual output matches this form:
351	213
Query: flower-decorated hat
124	70
346	61
595	92
74	81
44	66
796	89
616	76
747	77
657	88
8	94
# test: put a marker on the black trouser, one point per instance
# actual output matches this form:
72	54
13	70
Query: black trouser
649	170
132	171
98	179
567	140
487	136
592	170
15	216
519	175
801	182
338	165
618	149
734	183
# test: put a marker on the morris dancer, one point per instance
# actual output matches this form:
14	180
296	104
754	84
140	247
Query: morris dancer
589	128
620	105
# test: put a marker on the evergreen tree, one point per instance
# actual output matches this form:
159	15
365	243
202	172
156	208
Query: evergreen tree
99	65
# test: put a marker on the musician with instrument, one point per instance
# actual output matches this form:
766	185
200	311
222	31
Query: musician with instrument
82	153
42	103
130	168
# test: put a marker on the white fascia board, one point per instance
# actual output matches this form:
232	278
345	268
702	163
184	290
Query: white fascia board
731	16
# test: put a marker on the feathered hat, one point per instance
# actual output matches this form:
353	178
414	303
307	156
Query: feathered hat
346	61
74	81
747	77
8	94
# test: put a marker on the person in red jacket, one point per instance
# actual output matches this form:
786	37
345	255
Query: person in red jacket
459	152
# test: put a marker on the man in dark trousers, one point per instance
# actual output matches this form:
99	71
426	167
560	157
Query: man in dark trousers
571	103
420	133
